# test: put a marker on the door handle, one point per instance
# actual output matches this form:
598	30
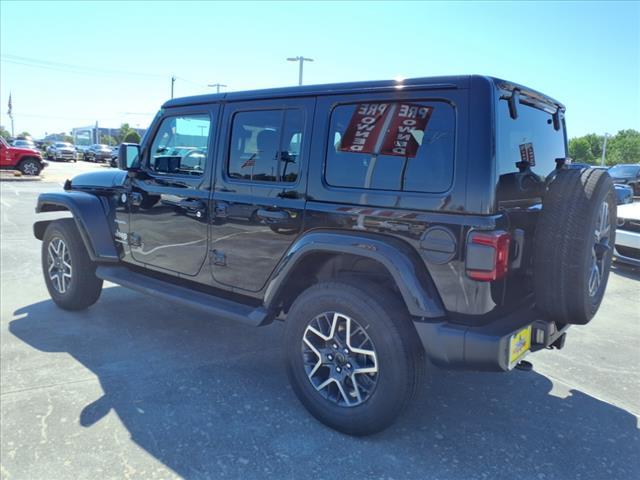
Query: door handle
273	215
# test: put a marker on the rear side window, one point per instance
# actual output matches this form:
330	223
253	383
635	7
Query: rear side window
265	145
392	146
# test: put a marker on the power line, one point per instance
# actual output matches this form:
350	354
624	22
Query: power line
46	64
82	69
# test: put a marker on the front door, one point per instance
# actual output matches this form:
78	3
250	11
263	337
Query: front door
260	187
170	195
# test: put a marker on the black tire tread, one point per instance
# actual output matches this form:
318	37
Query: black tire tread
86	289
562	237
399	325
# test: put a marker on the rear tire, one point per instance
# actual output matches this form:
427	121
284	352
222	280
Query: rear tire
68	271
573	245
375	314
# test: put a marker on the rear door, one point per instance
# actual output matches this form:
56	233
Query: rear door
260	187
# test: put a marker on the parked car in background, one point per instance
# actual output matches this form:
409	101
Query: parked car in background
627	174
27	160
114	156
98	153
627	247
579	165
62	151
24	143
624	194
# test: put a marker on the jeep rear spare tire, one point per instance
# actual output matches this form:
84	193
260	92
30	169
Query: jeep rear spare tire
573	245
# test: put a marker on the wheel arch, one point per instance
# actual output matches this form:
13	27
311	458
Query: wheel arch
316	255
90	218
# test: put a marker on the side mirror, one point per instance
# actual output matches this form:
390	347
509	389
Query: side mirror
129	156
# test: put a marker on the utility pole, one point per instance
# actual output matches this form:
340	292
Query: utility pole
604	149
217	85
173	80
300	59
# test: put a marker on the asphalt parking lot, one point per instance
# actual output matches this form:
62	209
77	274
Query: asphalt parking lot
137	388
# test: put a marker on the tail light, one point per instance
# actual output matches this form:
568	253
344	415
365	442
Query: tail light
488	255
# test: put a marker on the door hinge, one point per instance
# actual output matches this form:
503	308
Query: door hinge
135	240
218	258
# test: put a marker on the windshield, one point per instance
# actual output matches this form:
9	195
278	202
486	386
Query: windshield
64	145
624	170
530	137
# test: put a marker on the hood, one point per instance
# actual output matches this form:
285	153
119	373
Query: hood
99	179
25	151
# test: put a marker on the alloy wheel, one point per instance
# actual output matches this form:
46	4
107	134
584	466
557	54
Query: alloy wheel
601	249
340	359
59	265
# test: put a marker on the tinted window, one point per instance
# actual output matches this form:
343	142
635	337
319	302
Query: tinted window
392	146
532	135
266	145
180	145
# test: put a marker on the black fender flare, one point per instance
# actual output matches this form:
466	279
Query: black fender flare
91	220
401	261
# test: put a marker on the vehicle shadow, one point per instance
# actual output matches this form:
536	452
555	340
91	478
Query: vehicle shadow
625	270
216	403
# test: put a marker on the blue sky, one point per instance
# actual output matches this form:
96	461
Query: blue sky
112	62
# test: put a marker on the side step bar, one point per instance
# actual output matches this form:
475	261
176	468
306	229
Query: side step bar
215	306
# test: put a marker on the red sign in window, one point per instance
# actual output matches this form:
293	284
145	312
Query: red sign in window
408	123
361	136
386	128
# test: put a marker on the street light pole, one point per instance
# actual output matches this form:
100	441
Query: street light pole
173	80
300	59
604	149
217	85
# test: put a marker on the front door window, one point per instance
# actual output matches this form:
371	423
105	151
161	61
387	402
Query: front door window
180	146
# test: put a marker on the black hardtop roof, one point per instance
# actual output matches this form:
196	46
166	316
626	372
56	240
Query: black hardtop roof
444	82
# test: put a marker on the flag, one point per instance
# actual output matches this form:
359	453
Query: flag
10	105
250	163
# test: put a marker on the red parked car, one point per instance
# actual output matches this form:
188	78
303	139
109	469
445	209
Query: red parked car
27	160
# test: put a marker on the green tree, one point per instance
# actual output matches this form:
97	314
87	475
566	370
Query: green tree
4	133
108	140
580	150
624	147
24	134
132	137
125	129
595	144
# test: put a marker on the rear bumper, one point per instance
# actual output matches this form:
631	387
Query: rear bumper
486	347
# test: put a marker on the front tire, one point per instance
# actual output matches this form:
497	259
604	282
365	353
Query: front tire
68	271
353	358
30	167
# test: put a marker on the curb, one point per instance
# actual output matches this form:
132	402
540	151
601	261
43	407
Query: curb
20	178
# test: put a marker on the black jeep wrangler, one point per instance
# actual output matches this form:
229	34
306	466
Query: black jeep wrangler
382	222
